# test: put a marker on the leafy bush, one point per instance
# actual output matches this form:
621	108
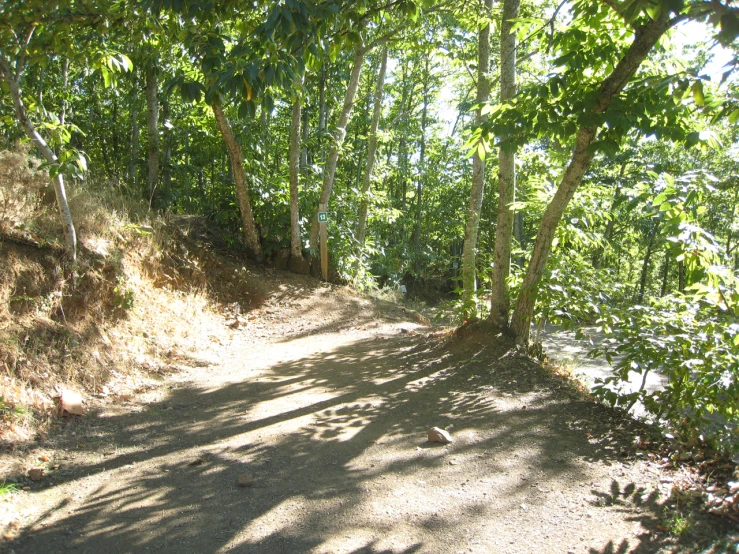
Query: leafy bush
691	339
695	346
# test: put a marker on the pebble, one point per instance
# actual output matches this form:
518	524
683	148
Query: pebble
439	435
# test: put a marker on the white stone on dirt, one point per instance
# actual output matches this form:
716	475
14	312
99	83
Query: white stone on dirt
439	435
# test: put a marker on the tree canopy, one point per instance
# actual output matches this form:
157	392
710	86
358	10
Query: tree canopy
570	162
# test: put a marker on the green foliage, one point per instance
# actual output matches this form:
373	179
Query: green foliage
123	296
691	339
7	489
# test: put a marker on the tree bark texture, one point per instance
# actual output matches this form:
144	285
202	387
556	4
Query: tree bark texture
371	152
500	295
70	235
329	170
469	251
242	189
645	39
152	126
294	164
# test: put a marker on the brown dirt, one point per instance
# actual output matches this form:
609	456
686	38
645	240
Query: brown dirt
323	399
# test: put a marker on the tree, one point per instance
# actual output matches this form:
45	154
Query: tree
31	33
371	152
469	254
588	104
500	303
329	170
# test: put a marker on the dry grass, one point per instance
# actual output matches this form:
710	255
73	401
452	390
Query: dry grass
106	326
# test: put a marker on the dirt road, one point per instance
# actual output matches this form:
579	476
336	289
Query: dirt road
320	405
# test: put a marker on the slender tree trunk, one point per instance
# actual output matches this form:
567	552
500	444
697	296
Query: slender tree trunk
665	274
115	142
134	133
469	250
371	152
500	295
608	233
65	84
166	169
305	132
322	112
644	41
645	266
421	165
70	235
681	276
242	189
152	125
329	169
296	250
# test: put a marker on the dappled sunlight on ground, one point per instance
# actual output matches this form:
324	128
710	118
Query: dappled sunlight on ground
333	433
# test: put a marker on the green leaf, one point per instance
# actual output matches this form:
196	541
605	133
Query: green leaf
698	96
107	78
734	116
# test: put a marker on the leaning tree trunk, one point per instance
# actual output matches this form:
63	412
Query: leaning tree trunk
294	163
152	124
644	41
469	250
242	189
329	170
70	235
500	296
371	152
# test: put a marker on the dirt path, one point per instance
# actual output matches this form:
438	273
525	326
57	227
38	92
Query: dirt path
323	400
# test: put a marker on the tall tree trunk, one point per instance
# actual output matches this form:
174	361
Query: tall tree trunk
13	81
296	250
166	169
371	152
421	165
471	230
645	39
329	170
152	126
500	295
134	132
322	112
242	189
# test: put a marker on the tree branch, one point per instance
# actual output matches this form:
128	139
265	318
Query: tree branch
20	64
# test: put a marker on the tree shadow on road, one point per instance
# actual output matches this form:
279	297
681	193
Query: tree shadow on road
335	444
